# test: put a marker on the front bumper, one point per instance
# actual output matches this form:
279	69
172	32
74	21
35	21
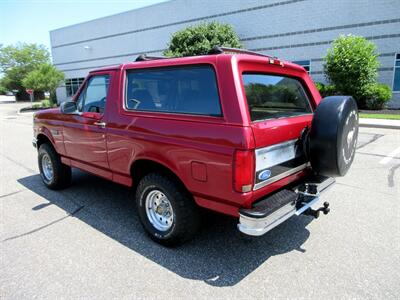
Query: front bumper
34	142
273	210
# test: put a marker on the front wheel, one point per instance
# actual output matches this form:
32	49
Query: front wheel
55	175
166	210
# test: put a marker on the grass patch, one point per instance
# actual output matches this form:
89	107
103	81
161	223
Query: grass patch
380	116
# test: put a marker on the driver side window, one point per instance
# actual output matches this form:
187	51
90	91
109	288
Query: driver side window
93	98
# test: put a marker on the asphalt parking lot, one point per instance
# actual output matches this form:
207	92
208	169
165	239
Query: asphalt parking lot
87	242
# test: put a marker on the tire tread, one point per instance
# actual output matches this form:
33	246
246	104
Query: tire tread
61	172
185	210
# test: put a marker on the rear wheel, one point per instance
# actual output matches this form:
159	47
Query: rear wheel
166	210
55	175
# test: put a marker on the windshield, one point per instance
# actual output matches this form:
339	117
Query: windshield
271	97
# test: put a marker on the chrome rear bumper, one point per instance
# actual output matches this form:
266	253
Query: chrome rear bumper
273	210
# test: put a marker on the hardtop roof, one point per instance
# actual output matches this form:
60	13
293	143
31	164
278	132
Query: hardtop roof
199	59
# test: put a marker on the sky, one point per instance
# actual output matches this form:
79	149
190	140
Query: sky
31	20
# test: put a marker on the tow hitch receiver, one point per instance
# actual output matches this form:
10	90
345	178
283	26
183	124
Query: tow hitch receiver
277	208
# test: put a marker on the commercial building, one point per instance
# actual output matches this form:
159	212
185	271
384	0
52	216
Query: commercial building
295	30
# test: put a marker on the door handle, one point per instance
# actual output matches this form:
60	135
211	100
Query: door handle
100	124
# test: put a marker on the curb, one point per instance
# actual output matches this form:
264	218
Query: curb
27	113
379	126
376	123
7	101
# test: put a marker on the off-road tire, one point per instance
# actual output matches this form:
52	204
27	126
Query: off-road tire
61	172
333	136
186	214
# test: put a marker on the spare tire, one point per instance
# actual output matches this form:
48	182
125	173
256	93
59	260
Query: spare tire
333	136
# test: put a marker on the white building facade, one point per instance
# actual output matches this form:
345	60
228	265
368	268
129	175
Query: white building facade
295	30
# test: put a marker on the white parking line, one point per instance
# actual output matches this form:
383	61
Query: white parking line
390	156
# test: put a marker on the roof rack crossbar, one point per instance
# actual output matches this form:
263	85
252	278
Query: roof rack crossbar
213	50
145	57
220	50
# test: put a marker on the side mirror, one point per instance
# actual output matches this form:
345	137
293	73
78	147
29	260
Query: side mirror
69	108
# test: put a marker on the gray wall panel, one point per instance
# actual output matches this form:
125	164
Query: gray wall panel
290	27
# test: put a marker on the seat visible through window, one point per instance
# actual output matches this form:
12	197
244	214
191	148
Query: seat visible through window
143	99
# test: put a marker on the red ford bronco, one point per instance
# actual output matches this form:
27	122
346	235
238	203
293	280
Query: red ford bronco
237	132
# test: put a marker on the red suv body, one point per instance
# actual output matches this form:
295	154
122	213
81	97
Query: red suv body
191	120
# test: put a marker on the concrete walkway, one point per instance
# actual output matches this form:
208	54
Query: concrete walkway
7	99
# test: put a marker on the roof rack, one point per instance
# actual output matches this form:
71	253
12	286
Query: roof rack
221	50
144	57
213	50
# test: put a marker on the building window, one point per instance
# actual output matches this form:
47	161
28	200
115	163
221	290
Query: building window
304	63
72	85
396	79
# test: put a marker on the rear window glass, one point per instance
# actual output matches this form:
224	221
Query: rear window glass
188	90
271	97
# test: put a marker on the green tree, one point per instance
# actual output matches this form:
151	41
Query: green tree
46	78
17	61
351	65
199	39
3	90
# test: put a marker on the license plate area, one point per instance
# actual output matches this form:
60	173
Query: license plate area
278	161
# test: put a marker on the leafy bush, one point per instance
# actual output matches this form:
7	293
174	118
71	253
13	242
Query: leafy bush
326	90
46	103
199	39
320	86
37	105
352	65
329	90
377	95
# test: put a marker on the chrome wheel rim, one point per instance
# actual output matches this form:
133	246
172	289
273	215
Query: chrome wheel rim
47	167
159	210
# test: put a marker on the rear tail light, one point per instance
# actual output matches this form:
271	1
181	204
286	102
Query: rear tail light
243	170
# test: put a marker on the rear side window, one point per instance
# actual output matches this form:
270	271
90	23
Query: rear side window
187	90
271	97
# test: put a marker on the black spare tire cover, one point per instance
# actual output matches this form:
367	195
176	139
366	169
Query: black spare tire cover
333	136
